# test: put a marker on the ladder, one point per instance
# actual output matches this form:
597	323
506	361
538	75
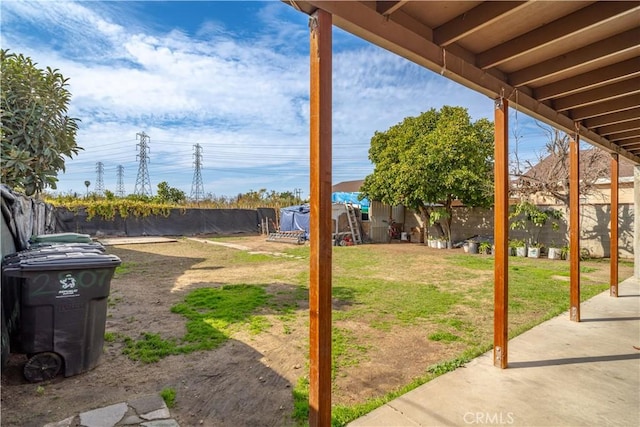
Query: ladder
295	236
354	225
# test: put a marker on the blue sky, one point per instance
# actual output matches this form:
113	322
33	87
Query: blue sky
230	76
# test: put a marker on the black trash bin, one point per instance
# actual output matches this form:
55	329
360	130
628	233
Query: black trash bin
62	304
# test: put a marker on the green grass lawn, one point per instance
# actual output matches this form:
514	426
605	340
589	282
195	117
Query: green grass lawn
448	294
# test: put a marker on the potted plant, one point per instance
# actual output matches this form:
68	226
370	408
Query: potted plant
564	252
484	248
438	216
554	251
531	218
533	250
517	247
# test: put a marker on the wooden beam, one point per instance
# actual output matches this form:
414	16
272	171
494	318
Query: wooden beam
486	13
631	144
584	19
622	137
619	127
613	241
320	221
386	8
600	94
574	228
605	75
501	235
606	107
578	58
613	118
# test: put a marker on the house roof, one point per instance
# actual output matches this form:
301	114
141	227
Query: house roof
570	64
598	164
348	186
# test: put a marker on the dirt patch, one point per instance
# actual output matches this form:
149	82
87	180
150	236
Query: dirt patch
246	381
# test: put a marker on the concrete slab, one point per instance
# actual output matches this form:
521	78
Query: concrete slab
226	244
67	422
104	417
560	373
150	403
111	241
157	414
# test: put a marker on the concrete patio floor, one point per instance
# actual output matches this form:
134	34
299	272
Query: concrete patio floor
560	373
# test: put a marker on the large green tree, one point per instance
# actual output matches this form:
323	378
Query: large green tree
427	162
36	132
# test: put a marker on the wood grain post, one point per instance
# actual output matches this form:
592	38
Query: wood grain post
613	241
501	234
320	221
574	228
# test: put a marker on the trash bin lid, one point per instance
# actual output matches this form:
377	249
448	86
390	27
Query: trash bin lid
61	238
52	250
67	247
61	261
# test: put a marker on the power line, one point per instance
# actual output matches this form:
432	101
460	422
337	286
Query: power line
120	182
99	179
143	184
197	189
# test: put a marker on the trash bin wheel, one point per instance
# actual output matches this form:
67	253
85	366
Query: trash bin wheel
42	367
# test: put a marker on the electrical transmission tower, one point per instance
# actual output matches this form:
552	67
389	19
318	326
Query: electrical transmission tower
143	185
99	179
120	182
197	189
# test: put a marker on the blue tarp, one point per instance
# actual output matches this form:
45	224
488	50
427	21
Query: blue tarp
294	218
343	197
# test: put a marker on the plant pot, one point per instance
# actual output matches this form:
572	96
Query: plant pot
554	253
473	248
465	247
442	244
521	251
533	252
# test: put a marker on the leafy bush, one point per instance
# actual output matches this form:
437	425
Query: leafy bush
36	131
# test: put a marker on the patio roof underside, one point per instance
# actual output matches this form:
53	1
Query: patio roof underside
573	65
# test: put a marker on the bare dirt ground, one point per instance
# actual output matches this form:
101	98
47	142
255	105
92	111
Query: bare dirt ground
247	381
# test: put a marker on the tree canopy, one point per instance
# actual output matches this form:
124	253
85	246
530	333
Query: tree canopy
167	194
36	131
432	160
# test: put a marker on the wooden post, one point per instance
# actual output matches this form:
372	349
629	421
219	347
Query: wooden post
320	221
500	234
574	227
613	242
